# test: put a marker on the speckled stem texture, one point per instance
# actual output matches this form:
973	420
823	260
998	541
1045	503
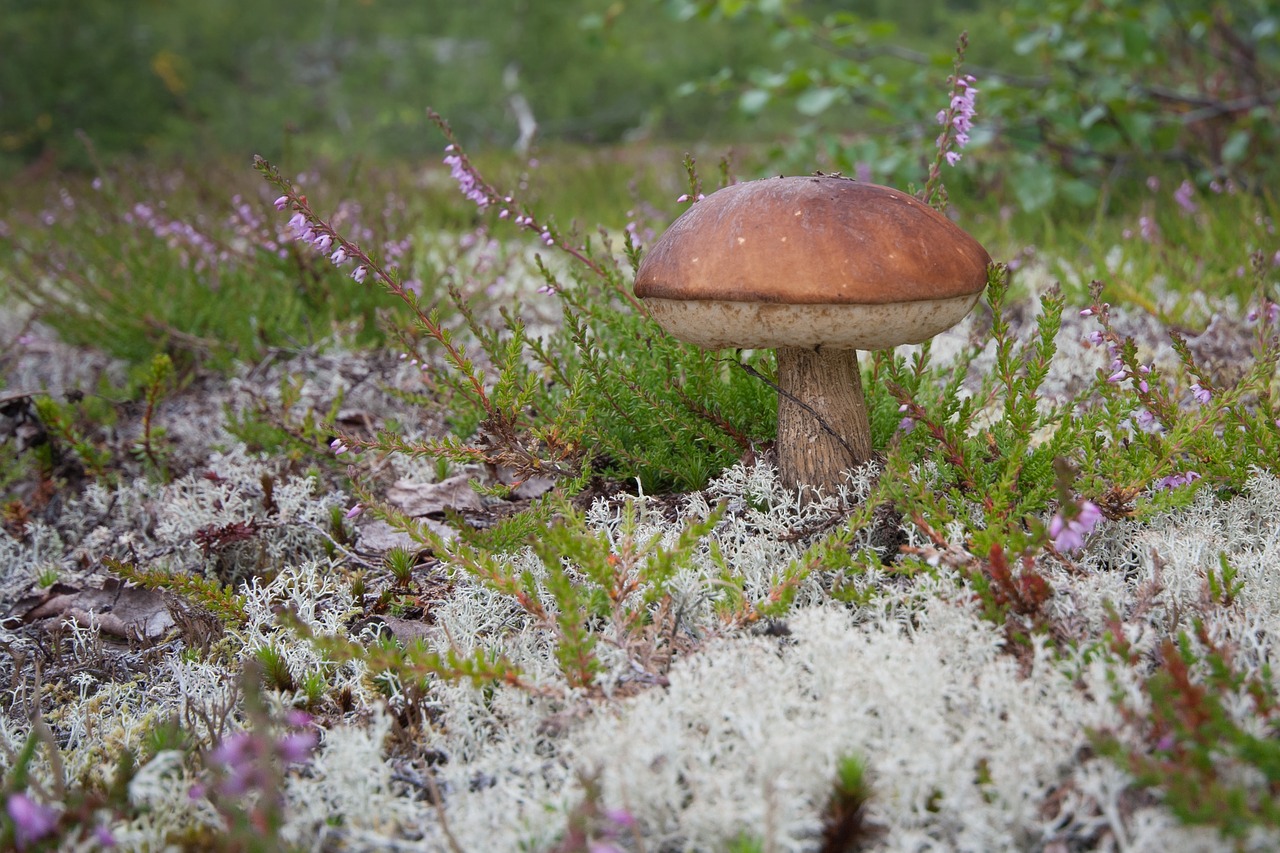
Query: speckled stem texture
823	429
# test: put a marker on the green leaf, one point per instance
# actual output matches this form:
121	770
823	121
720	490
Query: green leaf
1236	146
1034	185
753	101
816	101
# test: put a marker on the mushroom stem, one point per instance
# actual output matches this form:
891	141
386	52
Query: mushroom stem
823	429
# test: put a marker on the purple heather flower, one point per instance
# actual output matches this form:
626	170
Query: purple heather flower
103	837
31	821
323	242
282	202
359	274
1097	338
547	238
355	510
1173	481
620	817
961	114
236	750
1086	312
465	178
1202	395
297	718
1148	228
906	425
1146	421
339	256
682	199
1153	183
296	747
1068	535
1116	377
1183	195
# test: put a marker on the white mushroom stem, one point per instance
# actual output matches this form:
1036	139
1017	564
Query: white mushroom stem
823	429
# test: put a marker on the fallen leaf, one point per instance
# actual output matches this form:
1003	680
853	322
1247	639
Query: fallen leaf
127	612
418	499
528	488
380	537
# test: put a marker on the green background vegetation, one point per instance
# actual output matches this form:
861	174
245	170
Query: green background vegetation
1072	93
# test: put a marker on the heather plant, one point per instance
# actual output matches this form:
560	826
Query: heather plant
1189	240
137	266
1203	725
596	396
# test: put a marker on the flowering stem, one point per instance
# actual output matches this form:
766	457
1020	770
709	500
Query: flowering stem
480	191
323	235
956	121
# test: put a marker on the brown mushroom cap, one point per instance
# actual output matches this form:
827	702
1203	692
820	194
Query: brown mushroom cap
810	262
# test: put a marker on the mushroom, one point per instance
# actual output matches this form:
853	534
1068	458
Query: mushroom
817	268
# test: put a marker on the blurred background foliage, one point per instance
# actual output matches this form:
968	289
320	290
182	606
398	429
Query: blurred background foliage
1072	93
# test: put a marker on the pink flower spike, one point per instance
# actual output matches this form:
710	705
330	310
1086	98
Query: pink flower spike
282	202
1184	196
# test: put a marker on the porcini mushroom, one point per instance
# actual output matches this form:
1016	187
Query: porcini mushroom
817	268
